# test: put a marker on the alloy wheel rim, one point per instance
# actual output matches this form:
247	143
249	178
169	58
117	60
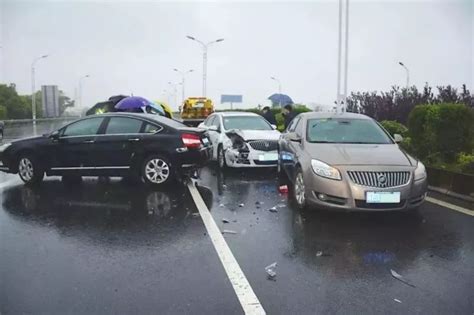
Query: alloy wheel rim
157	171
25	168
300	189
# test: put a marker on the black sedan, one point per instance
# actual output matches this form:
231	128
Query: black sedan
157	149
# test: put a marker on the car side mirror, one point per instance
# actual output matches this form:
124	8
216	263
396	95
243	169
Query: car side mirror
54	135
274	127
398	138
214	128
295	138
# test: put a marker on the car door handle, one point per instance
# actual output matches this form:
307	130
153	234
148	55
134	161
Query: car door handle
134	139
89	141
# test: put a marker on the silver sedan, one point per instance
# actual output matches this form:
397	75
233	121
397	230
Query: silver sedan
349	162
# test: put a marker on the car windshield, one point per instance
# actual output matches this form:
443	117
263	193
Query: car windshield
362	131
246	123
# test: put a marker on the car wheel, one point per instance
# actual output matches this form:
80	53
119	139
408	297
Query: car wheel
221	158
157	171
299	190
30	170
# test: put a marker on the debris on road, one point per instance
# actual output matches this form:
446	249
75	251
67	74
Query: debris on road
283	189
225	221
400	278
241	205
221	205
319	253
196	214
398	301
273	209
271	273
259	202
229	232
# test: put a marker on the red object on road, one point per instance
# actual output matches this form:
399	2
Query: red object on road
283	189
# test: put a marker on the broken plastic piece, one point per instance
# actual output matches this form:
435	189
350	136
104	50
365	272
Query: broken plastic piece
241	205
271	273
400	278
225	221
221	205
319	254
229	232
397	300
273	209
283	189
196	214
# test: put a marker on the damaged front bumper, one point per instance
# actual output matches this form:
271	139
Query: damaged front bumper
251	158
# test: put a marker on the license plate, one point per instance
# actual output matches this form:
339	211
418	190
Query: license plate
383	197
205	140
268	157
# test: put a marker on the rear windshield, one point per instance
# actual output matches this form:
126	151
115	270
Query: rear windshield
246	123
346	131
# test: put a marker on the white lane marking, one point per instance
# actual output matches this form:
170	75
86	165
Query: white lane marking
450	206
242	288
10	182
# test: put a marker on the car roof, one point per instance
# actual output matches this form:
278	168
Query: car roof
327	115
150	117
230	114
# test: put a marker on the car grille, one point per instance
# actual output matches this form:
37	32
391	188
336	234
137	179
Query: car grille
379	179
264	145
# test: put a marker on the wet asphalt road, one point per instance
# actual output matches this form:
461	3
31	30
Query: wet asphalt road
115	247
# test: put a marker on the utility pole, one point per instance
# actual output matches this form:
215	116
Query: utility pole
33	91
183	77
80	88
204	46
279	88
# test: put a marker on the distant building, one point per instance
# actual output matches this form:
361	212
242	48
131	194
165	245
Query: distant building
50	101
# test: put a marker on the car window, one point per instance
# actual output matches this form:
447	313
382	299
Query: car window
293	123
346	131
299	126
83	128
216	122
209	121
246	123
150	128
122	125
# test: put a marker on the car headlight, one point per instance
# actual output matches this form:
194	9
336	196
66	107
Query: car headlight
4	146
420	171
324	170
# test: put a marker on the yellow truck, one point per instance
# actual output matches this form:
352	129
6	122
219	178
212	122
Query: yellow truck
195	110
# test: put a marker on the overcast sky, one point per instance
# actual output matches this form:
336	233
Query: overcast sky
132	47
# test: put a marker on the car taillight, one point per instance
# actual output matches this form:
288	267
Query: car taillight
191	141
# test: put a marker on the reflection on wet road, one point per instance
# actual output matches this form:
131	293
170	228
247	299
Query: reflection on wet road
116	247
340	262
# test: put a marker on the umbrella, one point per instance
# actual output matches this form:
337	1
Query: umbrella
137	102
280	99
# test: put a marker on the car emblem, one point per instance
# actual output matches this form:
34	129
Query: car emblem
382	180
267	145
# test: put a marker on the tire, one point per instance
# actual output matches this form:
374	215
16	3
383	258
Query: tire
30	170
299	190
157	171
221	162
72	179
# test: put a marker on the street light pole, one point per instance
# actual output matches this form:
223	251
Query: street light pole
408	73
80	88
33	91
175	92
279	88
183	77
204	60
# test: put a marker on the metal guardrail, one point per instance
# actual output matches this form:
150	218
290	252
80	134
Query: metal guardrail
21	128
